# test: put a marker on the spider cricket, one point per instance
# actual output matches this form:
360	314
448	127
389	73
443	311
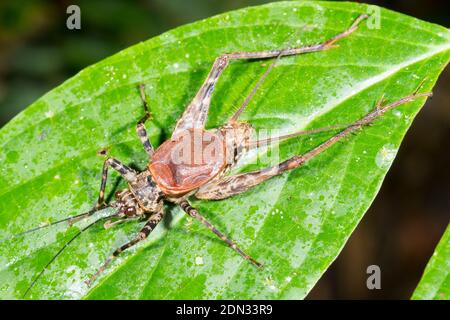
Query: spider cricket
173	175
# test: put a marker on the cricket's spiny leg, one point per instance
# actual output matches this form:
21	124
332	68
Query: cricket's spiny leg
234	185
196	113
125	171
195	214
140	127
111	223
143	234
366	120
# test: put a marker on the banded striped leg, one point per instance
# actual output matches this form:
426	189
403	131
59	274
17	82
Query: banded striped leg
196	113
233	185
125	171
143	234
195	214
140	127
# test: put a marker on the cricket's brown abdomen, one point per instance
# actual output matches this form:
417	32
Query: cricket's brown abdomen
188	161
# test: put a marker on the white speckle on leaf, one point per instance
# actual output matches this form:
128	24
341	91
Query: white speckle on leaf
385	156
57	177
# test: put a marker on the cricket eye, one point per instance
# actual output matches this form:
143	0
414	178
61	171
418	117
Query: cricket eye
130	211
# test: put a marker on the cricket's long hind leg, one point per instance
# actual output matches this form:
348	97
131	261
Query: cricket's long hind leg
195	214
196	113
140	127
230	186
143	234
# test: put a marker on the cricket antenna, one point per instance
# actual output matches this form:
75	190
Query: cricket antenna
62	249
236	115
252	93
71	220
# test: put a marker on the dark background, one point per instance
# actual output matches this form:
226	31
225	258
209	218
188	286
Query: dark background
404	224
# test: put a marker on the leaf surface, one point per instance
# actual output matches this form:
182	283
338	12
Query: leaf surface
296	224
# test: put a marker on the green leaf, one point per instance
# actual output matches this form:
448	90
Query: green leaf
296	224
435	282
